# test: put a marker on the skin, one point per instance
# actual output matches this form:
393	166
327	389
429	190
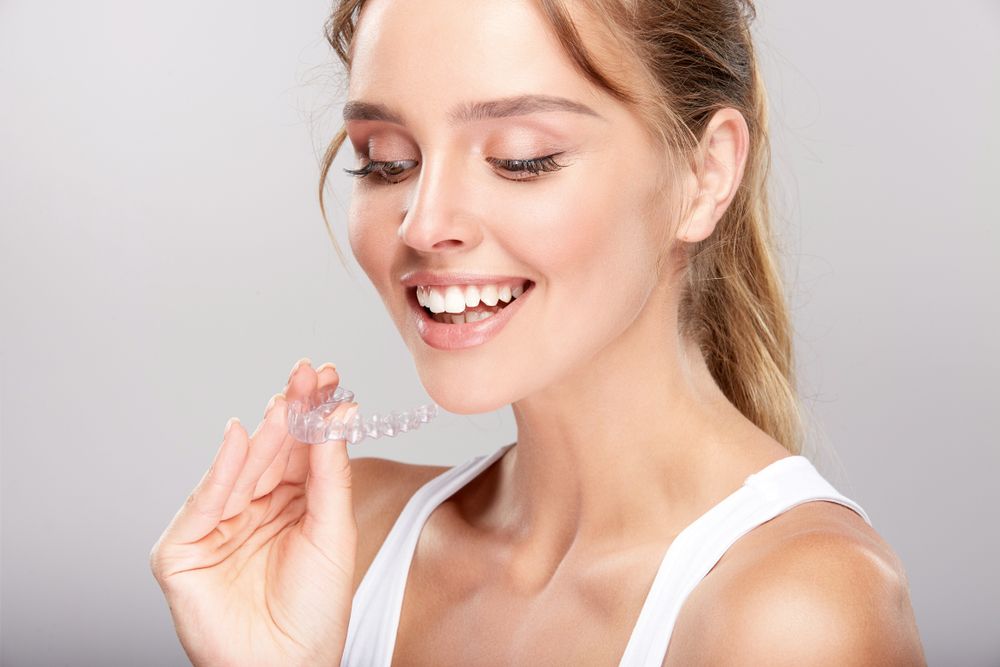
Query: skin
615	413
256	565
623	440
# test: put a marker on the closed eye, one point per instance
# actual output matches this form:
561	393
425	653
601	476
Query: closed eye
386	170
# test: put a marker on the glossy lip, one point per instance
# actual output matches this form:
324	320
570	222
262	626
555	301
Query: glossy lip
459	336
425	278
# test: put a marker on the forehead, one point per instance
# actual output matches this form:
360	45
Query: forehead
424	56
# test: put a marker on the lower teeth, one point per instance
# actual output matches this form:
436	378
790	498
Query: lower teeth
460	318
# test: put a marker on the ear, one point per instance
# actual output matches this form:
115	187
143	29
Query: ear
721	156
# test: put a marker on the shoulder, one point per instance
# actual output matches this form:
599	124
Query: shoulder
823	589
380	489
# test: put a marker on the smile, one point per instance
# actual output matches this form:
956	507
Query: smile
450	317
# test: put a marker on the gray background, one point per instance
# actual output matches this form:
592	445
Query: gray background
163	263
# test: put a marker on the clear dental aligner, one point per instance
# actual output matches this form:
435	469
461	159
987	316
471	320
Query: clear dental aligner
314	425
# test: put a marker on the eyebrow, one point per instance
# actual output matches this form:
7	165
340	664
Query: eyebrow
519	105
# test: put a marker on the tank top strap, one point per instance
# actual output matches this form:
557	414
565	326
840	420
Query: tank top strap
778	487
378	601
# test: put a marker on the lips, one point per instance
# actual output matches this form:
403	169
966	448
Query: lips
460	336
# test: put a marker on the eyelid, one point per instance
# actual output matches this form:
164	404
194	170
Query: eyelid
533	166
376	165
529	169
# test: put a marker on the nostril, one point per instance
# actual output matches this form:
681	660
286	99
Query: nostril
447	243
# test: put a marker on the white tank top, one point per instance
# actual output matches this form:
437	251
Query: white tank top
779	486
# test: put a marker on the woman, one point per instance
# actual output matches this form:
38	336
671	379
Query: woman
589	178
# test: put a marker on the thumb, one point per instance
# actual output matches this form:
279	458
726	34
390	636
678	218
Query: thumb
329	507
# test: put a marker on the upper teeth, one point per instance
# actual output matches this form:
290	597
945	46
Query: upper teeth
456	298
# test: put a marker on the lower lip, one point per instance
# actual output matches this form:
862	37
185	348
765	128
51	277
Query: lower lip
468	334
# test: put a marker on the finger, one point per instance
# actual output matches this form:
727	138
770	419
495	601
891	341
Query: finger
264	445
301	383
327	374
275	472
303	388
297	469
202	511
326	377
329	509
304	361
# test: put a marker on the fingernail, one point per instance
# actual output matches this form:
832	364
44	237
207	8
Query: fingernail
270	404
303	360
326	365
350	412
229	425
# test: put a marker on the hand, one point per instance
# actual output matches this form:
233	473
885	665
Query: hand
258	564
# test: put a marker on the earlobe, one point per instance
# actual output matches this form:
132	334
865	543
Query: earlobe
701	219
701	222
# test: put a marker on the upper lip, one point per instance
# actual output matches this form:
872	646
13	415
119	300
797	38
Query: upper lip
424	278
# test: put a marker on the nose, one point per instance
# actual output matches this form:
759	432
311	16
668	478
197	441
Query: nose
439	216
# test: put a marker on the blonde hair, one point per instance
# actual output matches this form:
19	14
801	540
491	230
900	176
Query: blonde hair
694	57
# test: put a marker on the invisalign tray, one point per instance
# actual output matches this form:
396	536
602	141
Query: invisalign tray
314	425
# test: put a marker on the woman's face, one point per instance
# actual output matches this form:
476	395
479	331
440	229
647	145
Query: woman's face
586	236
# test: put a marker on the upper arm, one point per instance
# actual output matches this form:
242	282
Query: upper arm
818	598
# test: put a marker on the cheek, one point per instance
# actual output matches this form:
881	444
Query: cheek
595	236
371	236
589	242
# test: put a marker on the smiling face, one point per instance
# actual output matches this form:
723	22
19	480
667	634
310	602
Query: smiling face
585	227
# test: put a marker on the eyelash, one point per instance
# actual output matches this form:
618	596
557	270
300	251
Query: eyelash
534	166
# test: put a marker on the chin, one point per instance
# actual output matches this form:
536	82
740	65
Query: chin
464	393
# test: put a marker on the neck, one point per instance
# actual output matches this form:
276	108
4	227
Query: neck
620	452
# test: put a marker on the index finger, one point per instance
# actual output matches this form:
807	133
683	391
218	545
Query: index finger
202	510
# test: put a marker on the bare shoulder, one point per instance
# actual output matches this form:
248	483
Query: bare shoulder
814	586
380	489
